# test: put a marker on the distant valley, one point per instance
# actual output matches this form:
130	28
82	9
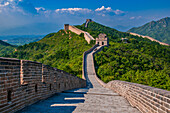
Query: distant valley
138	60
21	40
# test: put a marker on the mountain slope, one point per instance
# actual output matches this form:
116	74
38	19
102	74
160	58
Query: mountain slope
5	48
140	60
160	30
63	50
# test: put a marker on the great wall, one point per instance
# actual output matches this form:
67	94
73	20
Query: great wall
87	36
150	38
23	84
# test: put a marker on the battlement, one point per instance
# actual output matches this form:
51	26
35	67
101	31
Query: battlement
24	82
87	36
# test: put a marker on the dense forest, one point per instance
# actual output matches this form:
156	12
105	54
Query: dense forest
63	50
140	60
160	30
6	48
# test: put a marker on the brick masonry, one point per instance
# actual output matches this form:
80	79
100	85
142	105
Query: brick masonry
147	99
23	83
87	36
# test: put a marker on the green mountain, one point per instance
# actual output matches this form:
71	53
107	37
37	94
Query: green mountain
139	61
5	48
159	30
63	50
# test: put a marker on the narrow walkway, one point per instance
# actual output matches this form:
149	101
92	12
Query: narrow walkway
99	99
93	99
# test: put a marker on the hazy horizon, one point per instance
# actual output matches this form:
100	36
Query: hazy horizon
40	17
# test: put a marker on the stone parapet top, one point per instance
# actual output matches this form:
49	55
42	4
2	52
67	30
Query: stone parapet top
145	87
13	59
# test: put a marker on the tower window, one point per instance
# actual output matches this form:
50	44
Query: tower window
9	96
102	43
50	87
36	88
59	86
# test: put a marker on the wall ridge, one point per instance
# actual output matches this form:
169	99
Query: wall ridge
146	98
74	29
24	82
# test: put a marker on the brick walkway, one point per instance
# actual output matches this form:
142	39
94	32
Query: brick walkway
93	99
99	99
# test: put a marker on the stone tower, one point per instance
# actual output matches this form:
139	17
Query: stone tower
66	27
87	22
102	40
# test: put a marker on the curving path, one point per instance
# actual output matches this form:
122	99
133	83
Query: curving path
99	99
93	99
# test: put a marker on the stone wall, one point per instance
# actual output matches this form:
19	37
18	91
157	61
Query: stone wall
84	55
150	38
25	82
87	36
147	99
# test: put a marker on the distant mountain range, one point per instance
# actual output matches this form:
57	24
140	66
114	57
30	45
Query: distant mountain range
2	43
21	39
140	60
6	48
159	30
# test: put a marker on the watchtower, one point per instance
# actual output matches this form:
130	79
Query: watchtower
87	22
102	40
66	27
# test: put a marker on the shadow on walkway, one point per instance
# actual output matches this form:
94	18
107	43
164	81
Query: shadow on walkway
65	102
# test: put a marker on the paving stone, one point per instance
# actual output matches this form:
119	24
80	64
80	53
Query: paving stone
93	99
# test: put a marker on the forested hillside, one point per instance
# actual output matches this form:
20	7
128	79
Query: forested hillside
5	48
140	60
62	50
159	30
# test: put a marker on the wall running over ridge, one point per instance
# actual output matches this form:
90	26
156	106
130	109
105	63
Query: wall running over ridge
23	83
150	38
147	99
87	36
84	55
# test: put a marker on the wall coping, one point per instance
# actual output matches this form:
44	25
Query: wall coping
13	59
84	55
145	87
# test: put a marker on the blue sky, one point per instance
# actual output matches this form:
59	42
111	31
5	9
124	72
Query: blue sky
32	17
128	5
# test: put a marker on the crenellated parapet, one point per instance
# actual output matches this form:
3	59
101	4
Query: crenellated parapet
24	82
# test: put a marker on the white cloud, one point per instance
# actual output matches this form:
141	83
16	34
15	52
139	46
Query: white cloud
103	8
117	11
108	11
132	18
138	17
40	9
73	10
5	4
